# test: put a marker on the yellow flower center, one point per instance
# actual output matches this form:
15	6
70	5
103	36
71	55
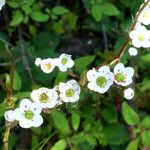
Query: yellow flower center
44	98
141	38
48	66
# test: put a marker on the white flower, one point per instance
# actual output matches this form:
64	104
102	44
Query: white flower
64	62
70	91
28	114
123	76
47	65
101	80
145	16
48	98
38	61
132	51
9	116
140	37
129	93
2	3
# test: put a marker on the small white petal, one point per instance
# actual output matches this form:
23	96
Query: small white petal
2	3
9	116
37	121
25	104
38	61
132	51
91	75
18	114
24	123
118	68
104	69
129	72
129	93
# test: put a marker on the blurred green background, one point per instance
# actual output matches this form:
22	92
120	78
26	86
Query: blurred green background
92	31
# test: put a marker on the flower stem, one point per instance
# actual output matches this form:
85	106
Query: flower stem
6	138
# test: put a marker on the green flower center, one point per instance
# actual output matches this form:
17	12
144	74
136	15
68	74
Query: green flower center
29	114
44	98
141	38
69	93
119	77
101	81
64	61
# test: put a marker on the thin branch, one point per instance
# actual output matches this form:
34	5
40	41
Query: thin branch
104	37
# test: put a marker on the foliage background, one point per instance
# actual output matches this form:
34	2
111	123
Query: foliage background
92	31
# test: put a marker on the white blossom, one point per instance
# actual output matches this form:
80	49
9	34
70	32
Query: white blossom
47	65
140	37
70	91
128	93
28	114
145	16
132	51
38	61
9	116
48	98
123	76
2	3
101	80
64	62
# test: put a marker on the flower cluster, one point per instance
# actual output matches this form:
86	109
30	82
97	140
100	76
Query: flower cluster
140	36
2	3
63	63
28	113
101	80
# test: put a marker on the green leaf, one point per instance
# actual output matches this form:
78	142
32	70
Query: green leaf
3	109
129	115
133	145
109	9
115	134
146	122
17	83
60	121
146	138
61	77
59	145
60	10
39	16
145	85
96	12
75	120
17	18
14	4
84	61
146	58
109	114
